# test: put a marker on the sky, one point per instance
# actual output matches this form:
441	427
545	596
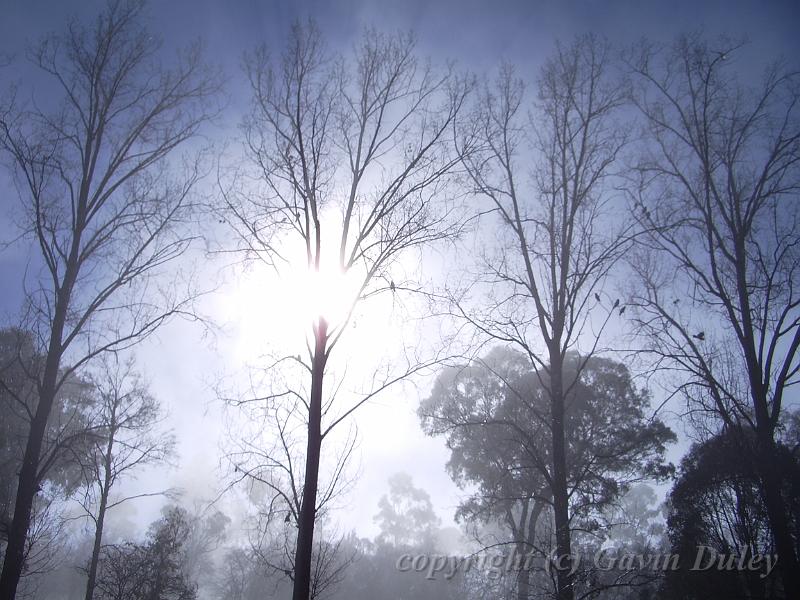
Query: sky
185	361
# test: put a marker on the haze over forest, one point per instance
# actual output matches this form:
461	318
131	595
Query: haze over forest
399	300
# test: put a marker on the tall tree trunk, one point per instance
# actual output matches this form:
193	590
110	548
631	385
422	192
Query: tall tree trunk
560	492
26	491
524	575
28	486
305	533
101	515
772	479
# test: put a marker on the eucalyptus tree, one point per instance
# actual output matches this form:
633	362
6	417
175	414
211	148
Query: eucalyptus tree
102	204
494	414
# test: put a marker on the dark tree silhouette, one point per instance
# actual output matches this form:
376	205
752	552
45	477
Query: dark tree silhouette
717	198
717	503
101	206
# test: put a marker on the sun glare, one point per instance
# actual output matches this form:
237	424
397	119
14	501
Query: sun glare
328	293
272	310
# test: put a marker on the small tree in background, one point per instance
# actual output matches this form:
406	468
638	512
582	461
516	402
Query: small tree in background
127	439
152	570
406	516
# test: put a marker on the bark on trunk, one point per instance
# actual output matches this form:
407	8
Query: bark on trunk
771	479
26	491
563	564
28	485
101	515
305	533
524	576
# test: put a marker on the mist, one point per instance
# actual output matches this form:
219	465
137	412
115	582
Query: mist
365	300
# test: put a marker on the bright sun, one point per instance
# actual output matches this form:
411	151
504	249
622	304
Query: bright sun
271	310
276	310
327	293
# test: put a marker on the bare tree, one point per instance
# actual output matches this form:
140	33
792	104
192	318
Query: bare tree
101	204
128	438
546	179
717	196
354	164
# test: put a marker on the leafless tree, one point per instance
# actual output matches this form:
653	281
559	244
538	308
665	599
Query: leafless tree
546	178
353	162
127	438
716	195
103	207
